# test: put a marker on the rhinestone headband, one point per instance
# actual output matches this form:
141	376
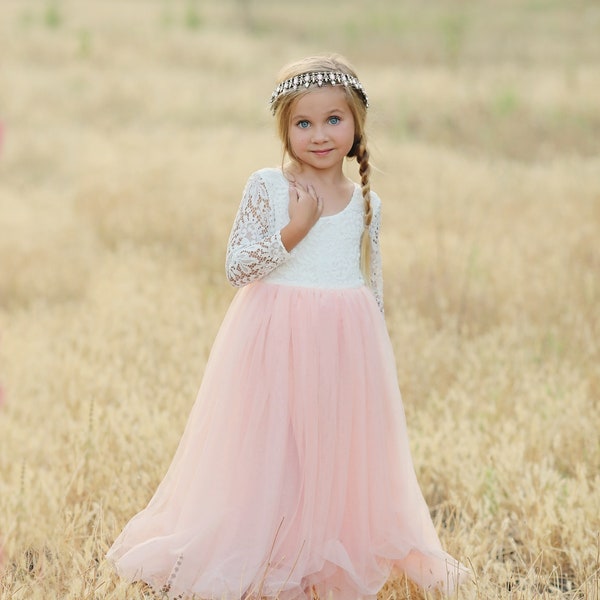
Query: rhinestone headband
318	78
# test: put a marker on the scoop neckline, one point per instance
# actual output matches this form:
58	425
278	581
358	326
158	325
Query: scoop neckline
339	212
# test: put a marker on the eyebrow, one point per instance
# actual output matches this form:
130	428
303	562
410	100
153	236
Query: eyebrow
328	113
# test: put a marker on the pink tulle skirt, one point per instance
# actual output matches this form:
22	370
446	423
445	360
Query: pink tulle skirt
293	477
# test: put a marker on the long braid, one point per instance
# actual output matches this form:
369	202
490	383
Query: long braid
364	170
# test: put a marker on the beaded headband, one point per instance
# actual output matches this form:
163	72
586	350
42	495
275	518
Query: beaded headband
318	78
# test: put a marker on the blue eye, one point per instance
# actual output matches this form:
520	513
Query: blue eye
303	124
334	120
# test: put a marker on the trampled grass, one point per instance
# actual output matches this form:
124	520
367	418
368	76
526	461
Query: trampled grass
129	130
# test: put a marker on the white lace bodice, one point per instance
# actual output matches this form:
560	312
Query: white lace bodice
328	257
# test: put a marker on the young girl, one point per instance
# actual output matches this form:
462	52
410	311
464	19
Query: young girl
293	478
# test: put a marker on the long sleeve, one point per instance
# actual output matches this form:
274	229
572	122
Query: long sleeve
255	246
376	272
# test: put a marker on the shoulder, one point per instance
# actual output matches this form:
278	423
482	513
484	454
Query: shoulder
268	176
375	202
265	184
375	199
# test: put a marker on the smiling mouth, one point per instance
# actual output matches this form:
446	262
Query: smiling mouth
322	152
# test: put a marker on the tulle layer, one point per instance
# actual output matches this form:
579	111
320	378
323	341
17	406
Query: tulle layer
293	476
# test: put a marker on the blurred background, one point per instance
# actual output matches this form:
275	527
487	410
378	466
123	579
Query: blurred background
128	129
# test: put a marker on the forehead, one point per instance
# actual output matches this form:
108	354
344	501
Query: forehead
321	100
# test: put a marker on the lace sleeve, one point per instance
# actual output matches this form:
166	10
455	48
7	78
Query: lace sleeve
376	280
255	246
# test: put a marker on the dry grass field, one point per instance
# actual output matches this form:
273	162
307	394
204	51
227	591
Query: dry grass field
129	129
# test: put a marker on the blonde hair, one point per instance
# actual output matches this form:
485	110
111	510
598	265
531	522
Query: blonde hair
282	108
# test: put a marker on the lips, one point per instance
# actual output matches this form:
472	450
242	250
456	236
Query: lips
322	152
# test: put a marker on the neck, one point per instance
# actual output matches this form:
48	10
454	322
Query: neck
327	177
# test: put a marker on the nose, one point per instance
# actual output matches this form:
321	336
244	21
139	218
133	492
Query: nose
319	134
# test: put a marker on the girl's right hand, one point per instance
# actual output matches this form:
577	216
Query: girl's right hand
305	208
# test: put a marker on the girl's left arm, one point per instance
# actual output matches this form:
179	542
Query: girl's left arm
376	280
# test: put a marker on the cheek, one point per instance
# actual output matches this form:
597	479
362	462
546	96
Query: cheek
297	136
349	135
295	143
292	139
